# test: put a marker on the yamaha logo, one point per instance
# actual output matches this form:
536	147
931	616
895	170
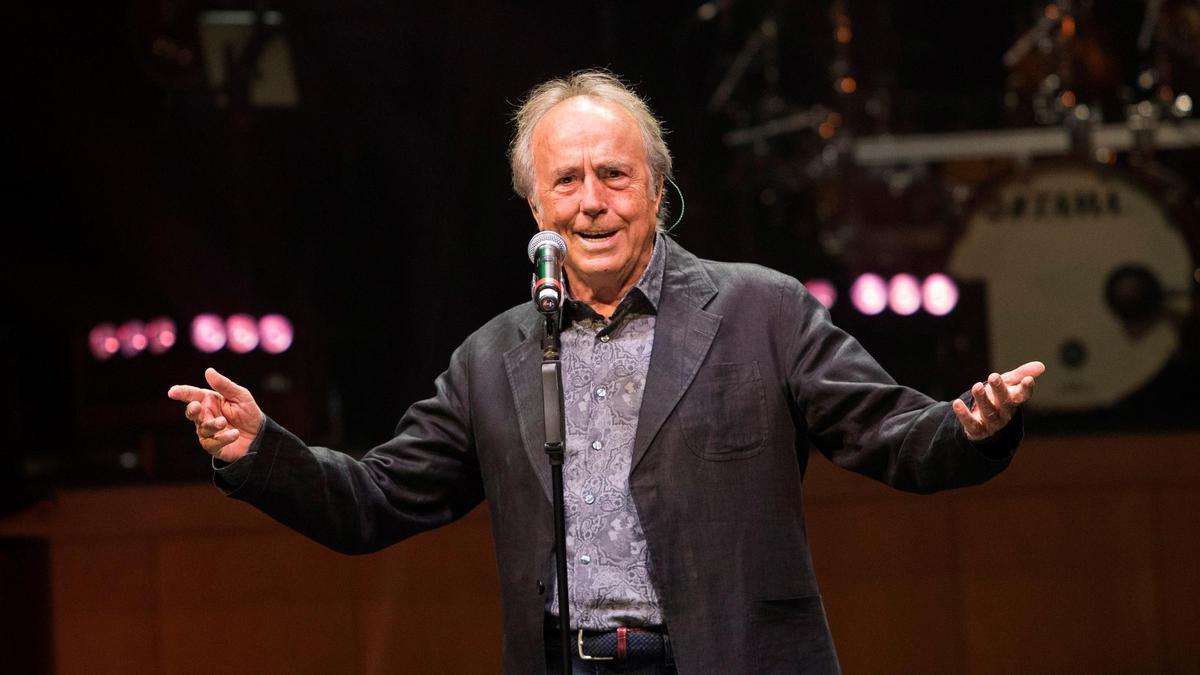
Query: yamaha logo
1044	204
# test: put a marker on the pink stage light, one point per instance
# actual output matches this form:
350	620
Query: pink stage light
132	338
103	342
161	334
904	294
276	334
242	331
208	333
940	294
823	290
869	294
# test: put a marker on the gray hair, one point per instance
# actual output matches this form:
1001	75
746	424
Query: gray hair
599	84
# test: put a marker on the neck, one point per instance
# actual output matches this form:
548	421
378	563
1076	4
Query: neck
603	298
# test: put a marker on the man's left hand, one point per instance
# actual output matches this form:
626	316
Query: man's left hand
997	400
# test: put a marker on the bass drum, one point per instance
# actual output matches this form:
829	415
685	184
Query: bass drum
1083	269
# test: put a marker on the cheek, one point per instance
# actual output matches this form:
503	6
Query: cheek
563	212
637	209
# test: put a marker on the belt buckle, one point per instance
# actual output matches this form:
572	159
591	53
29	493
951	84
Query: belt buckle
585	657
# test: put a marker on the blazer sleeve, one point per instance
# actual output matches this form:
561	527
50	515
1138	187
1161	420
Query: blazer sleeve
861	419
426	476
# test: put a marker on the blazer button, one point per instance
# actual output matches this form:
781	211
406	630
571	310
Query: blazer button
541	587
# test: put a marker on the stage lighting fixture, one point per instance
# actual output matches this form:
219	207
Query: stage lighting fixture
132	338
161	334
241	331
208	333
904	294
939	294
275	333
103	342
869	294
823	290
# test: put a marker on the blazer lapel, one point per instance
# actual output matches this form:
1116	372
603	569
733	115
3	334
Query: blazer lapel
523	364
683	333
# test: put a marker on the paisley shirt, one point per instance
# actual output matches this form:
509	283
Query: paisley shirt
604	374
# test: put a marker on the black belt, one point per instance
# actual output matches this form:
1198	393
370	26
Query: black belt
623	645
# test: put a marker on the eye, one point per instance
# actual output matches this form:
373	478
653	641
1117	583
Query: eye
565	180
613	173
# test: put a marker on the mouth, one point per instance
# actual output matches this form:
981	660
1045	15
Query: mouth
596	235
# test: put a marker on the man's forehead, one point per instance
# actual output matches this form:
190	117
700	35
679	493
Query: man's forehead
574	113
585	117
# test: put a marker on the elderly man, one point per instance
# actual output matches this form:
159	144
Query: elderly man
692	388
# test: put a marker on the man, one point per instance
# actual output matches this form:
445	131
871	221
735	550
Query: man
691	389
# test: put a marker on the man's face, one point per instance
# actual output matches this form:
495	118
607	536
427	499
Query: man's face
592	186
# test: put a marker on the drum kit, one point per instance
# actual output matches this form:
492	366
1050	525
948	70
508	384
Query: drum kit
1079	217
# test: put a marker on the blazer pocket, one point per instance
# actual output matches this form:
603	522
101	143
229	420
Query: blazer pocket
723	413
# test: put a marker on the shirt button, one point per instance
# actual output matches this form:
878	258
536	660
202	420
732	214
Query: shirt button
585	558
601	392
605	338
589	498
596	445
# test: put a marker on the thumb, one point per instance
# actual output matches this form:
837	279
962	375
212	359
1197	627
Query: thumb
223	385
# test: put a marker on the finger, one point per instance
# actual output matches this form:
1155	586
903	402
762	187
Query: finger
999	391
983	404
991	413
225	386
1032	369
193	410
1024	390
209	428
186	392
973	428
214	444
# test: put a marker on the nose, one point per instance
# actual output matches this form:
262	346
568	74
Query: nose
592	202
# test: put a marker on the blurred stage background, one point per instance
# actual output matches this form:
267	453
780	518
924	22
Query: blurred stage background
324	184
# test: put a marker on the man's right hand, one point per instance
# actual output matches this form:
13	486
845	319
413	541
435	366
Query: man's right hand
226	417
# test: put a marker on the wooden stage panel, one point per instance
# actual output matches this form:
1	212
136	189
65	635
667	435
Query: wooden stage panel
1082	557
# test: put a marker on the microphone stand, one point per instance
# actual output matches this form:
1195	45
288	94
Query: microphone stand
556	432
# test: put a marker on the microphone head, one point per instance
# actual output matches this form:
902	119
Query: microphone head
544	238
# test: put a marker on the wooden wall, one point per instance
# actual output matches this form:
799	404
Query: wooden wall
1083	557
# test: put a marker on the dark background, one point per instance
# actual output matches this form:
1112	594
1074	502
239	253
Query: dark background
378	215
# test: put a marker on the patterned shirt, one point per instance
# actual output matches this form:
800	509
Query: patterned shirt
604	374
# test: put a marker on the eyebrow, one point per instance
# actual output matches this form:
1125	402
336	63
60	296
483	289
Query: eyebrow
568	169
614	164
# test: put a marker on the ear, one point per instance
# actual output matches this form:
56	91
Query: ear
537	214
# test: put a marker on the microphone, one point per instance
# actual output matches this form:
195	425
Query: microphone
547	251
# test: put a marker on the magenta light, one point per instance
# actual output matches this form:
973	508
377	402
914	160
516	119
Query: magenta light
823	290
131	337
869	294
242	331
940	294
904	294
103	342
208	333
275	332
160	333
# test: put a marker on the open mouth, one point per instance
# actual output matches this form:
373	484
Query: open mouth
596	236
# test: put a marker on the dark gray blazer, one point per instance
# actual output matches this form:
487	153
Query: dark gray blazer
746	369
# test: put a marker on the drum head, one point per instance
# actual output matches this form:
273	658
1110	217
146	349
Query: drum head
1083	269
